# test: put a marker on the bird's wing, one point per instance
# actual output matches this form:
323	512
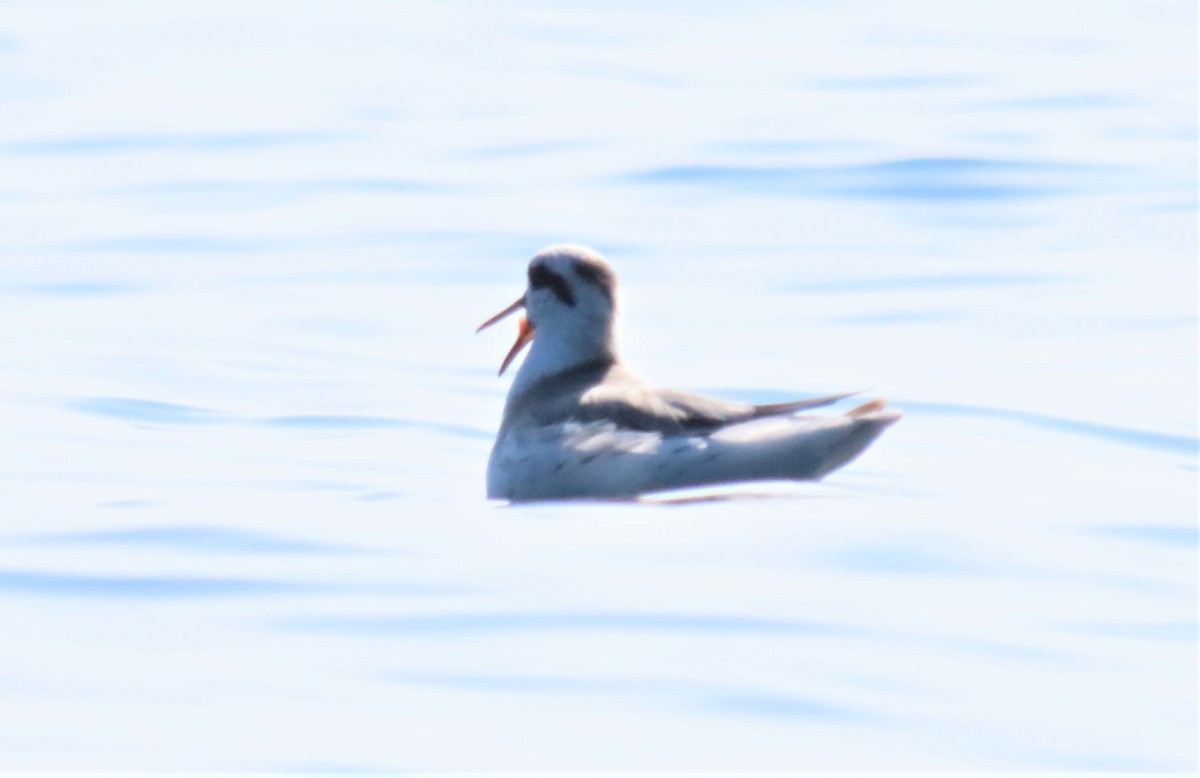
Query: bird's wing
611	393
708	413
646	409
631	404
779	409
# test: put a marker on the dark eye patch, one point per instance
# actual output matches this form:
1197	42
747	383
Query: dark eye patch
597	275
542	277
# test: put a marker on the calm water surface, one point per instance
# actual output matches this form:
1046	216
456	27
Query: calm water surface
246	419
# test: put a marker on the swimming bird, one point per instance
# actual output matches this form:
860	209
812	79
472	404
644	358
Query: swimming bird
579	424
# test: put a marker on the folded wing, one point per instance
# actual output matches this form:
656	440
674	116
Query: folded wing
608	392
633	405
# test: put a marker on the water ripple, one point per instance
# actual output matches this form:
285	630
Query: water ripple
133	409
896	83
136	144
352	422
155	412
192	538
166	244
525	149
932	179
1169	631
1154	534
234	195
1128	436
521	684
156	587
767	146
896	318
454	246
903	558
609	622
708	698
1074	102
781	706
77	288
276	188
931	282
333	422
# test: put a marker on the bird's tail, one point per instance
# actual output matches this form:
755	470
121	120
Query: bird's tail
795	448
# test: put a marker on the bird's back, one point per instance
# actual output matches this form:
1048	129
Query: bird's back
599	431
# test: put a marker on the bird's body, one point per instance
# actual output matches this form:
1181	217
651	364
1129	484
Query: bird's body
579	424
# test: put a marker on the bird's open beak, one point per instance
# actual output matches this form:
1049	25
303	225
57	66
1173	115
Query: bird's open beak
524	334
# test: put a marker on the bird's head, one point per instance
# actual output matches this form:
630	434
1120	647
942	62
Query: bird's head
570	305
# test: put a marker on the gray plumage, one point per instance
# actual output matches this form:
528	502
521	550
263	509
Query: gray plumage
578	423
608	391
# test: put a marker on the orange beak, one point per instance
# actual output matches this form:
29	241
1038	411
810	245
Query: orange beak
524	334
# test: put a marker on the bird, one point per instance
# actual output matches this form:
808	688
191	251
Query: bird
579	424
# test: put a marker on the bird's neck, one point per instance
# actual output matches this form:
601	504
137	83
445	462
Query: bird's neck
552	353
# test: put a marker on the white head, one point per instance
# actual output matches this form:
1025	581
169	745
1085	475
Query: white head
570	306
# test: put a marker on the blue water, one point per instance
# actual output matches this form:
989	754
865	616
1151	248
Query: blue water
246	418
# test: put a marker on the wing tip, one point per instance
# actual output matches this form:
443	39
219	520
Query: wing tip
795	406
876	410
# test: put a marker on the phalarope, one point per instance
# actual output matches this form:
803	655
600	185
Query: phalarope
579	424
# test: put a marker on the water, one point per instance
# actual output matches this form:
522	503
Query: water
246	419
